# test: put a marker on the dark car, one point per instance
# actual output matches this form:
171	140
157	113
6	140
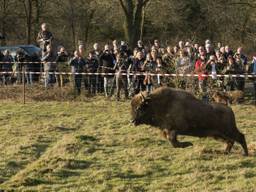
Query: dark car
31	52
1	36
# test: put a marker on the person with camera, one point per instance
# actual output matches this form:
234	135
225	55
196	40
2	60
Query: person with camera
242	61
137	69
232	68
49	61
121	66
62	61
7	64
44	37
252	71
149	67
77	66
124	48
200	69
106	65
91	66
23	60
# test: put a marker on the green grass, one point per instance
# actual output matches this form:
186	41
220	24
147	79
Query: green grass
91	146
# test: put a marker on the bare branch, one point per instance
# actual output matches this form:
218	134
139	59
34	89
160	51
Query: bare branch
244	4
123	7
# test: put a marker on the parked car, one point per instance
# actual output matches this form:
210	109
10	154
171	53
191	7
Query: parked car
1	36
31	52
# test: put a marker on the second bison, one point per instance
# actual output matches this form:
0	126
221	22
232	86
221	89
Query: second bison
177	112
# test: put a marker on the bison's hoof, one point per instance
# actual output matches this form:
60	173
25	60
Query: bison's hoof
186	144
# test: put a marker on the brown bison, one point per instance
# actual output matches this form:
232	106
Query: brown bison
177	112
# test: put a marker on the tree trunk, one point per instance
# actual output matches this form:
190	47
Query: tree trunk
37	17
73	29
142	23
28	11
4	7
134	19
88	24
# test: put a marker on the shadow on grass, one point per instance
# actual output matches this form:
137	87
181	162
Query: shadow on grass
131	175
64	173
77	164
247	164
149	141
34	182
64	129
86	138
36	149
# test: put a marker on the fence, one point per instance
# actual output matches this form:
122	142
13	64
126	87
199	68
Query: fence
23	73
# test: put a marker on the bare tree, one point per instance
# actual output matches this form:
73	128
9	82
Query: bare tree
133	11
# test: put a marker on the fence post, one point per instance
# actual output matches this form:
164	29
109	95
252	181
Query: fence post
24	84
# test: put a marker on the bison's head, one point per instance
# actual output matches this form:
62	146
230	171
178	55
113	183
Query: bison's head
141	111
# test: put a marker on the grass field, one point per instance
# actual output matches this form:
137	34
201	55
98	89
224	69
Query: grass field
91	146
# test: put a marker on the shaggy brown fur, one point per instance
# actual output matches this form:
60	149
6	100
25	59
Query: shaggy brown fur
177	112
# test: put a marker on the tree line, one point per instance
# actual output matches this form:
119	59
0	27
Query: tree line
230	22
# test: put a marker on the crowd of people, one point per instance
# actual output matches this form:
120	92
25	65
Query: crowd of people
138	69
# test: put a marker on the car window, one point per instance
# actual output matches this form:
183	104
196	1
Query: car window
32	50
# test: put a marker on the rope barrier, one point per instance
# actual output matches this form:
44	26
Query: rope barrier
136	74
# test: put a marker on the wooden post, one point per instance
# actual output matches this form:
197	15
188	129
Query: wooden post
24	84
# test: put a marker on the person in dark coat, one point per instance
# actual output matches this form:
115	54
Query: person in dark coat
7	67
232	68
77	66
121	66
97	52
252	71
23	60
92	66
138	68
1	64
62	62
107	65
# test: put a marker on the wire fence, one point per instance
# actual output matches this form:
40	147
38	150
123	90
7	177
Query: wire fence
94	84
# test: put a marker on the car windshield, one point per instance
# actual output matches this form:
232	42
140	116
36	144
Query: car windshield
32	50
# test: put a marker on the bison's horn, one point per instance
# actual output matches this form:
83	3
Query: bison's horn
142	97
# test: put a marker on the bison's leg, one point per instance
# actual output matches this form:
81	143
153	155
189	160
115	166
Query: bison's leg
165	134
172	137
229	146
241	139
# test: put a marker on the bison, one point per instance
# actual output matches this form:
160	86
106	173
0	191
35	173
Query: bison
177	112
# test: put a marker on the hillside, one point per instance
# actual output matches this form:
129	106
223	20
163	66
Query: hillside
91	146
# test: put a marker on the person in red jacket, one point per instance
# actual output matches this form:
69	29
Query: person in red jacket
200	69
